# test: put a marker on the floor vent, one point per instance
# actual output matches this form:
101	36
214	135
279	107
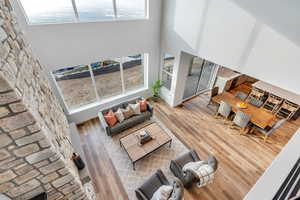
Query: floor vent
291	185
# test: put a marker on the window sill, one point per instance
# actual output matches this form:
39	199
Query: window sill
99	103
85	22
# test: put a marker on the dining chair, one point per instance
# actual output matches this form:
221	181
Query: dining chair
255	102
224	110
241	95
241	120
214	92
268	131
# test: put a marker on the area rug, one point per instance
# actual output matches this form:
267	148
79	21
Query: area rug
160	159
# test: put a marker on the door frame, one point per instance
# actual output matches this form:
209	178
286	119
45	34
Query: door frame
211	81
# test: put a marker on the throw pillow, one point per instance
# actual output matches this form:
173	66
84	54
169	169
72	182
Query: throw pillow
135	108
110	118
162	193
143	104
119	115
128	112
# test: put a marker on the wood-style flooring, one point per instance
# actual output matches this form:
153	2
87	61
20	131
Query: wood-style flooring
242	159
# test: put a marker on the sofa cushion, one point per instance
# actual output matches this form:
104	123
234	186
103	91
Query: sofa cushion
119	115
121	105
183	159
110	118
132	121
143	104
127	112
150	186
135	108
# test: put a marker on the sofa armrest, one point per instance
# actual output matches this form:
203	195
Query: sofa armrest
178	190
176	170
139	195
104	124
187	180
194	155
162	177
150	108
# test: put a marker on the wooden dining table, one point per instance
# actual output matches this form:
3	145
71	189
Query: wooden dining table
259	116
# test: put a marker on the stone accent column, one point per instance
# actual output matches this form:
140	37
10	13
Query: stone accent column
35	148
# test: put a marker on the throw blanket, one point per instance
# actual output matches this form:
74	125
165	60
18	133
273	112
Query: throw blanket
202	170
162	193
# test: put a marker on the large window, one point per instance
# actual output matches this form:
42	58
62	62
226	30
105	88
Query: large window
76	85
49	11
86	84
167	70
108	78
131	9
133	72
61	11
89	10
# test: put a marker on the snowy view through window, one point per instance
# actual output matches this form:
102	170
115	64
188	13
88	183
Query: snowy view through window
61	11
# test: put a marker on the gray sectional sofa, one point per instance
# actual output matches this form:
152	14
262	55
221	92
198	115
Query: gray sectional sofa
128	123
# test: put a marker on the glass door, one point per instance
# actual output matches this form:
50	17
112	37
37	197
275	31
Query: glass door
199	77
191	84
206	76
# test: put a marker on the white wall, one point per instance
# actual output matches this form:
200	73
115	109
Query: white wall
266	187
280	15
225	33
274	59
69	44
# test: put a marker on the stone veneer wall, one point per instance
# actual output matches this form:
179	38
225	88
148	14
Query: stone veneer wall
35	148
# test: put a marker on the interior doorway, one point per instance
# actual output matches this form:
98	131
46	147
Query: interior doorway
200	77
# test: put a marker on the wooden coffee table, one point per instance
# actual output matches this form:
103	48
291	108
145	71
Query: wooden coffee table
137	152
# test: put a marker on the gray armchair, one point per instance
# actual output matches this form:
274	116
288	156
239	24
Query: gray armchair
242	120
146	191
188	179
267	132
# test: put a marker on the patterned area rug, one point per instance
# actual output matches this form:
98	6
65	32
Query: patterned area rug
132	179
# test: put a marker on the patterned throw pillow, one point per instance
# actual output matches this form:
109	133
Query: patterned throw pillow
119	115
128	112
143	104
136	108
110	118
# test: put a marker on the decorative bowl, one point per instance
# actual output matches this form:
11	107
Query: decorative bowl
242	105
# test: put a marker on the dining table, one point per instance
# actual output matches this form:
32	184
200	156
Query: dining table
259	116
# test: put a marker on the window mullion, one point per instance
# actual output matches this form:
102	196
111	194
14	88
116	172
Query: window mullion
170	74
61	97
145	65
94	82
75	9
115	8
122	76
146	8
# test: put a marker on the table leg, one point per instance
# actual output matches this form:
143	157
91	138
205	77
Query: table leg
133	165
170	144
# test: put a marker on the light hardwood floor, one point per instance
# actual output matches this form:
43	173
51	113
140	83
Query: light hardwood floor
242	159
